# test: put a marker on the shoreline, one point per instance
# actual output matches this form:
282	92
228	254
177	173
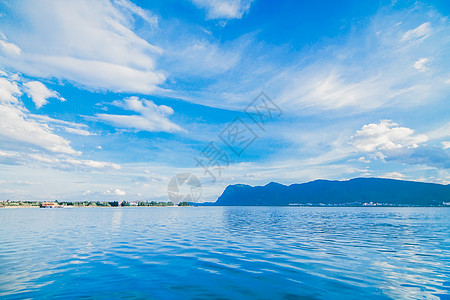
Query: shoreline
177	206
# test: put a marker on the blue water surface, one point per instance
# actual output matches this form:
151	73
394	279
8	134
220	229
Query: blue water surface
225	253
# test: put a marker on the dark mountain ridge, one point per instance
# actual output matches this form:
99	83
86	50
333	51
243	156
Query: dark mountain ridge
354	192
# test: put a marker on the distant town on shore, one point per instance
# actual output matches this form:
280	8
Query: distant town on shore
57	204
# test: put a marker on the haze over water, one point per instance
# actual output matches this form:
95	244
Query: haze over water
225	252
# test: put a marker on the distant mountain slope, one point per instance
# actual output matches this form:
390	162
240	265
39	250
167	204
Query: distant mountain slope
358	191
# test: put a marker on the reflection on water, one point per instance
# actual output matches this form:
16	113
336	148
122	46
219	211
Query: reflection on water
225	252
116	218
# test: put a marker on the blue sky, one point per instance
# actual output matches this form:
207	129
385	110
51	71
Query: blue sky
110	99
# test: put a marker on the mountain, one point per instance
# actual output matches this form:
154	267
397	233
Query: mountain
354	192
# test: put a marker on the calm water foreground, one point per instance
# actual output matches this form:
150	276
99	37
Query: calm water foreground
225	252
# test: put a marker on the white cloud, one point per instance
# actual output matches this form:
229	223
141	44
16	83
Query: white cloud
8	153
97	74
224	9
364	160
78	131
15	126
9	91
446	144
386	135
93	163
67	162
420	33
88	192
44	159
420	65
115	192
9	49
39	93
393	175
151	117
90	43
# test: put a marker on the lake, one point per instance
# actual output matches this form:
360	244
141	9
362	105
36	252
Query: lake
225	253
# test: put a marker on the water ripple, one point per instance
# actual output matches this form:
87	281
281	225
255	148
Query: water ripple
225	253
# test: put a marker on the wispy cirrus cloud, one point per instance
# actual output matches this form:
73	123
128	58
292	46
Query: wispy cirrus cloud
419	33
198	57
71	163
224	9
70	127
386	65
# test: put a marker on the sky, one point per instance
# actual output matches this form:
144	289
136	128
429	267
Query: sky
110	99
